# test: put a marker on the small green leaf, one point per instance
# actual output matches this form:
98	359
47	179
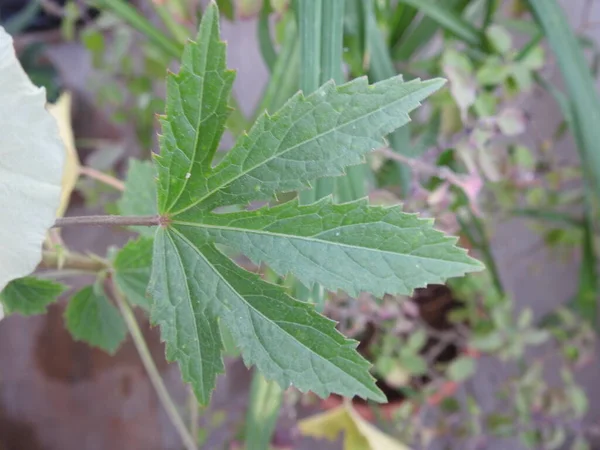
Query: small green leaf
461	368
412	363
536	337
488	342
493	72
91	318
500	38
29	295
578	399
132	268
139	198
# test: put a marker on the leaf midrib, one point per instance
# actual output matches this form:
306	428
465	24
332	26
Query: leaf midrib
318	241
248	305
423	85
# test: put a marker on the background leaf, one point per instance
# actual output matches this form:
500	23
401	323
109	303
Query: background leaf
132	268
139	198
31	166
91	318
29	295
358	434
263	411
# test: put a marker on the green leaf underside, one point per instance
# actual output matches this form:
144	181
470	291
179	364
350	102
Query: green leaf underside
196	288
29	295
91	318
285	338
353	246
132	268
139	198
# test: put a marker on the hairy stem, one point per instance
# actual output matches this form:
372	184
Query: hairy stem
122	221
151	369
102	177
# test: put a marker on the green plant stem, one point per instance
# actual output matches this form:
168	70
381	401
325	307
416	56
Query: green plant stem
490	8
177	30
151	369
482	244
72	261
131	16
123	221
193	405
102	178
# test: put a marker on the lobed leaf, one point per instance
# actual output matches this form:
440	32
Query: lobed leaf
196	289
30	295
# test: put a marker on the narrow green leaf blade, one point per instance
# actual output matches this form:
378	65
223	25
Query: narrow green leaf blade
91	318
30	295
309	138
267	49
580	86
139	198
191	334
196	113
132	267
350	246
448	19
263	410
285	338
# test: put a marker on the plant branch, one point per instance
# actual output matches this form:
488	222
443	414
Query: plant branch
151	369
71	261
102	177
424	168
123	221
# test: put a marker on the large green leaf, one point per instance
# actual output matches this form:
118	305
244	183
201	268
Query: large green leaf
196	288
29	295
132	267
31	165
90	317
352	246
